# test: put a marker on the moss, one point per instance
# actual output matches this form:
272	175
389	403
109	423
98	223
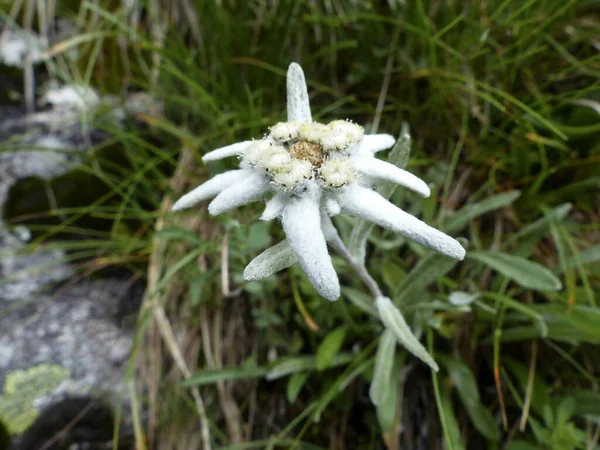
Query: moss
22	387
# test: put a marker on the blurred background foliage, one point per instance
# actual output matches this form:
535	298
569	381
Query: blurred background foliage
503	103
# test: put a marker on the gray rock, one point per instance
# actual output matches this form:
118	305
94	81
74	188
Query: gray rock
47	144
55	342
23	273
76	327
62	343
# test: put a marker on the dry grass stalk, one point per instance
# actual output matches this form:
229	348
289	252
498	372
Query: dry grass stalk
159	328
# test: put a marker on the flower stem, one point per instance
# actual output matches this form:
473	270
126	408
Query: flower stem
338	245
335	242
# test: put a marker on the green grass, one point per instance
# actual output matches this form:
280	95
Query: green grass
497	95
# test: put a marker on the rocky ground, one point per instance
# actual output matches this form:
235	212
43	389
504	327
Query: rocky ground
64	345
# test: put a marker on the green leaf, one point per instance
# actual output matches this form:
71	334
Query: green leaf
588	256
392	274
526	273
429	269
572	190
278	257
384	361
258	237
540	391
566	410
398	156
360	363
559	331
362	228
582	317
293	364
295	384
591	255
587	403
187	259
169	234
196	287
541	226
387	410
484	421
330	347
466	386
225	374
394	321
575	325
288	365
460	298
521	445
548	416
361	300
339	385
449	419
469	212
528	310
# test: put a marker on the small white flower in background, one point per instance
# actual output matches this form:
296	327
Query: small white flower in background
310	172
15	46
75	97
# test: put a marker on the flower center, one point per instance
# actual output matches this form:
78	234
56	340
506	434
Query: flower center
308	151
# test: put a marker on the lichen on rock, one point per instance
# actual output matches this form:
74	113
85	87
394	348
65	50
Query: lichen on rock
22	388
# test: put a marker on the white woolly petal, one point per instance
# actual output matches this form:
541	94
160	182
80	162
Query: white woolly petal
373	143
210	188
274	207
360	201
298	105
381	169
225	152
271	261
247	190
332	207
302	225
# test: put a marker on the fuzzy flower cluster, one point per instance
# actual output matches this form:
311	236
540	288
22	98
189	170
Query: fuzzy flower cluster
309	172
294	152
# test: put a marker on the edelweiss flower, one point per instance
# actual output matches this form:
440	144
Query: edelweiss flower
312	171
